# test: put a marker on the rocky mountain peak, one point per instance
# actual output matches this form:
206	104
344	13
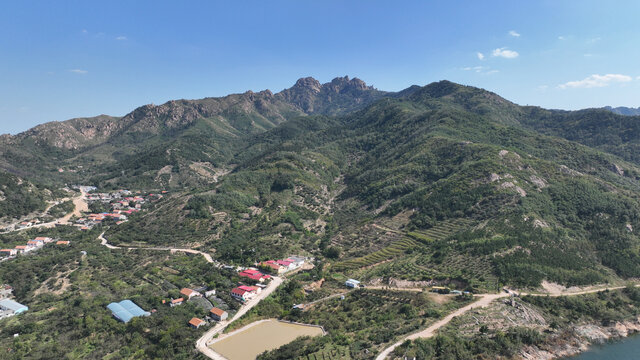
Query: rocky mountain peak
339	95
308	83
340	84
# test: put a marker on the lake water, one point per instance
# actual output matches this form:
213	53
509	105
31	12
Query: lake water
252	340
626	349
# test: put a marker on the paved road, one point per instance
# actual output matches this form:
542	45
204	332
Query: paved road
391	288
203	343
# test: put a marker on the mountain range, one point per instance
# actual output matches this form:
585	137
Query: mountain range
454	183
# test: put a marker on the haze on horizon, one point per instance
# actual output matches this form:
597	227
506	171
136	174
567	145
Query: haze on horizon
75	59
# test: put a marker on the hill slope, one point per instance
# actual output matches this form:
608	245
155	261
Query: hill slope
185	138
483	197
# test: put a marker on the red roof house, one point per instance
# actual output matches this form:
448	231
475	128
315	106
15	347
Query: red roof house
196	323
254	275
218	314
189	293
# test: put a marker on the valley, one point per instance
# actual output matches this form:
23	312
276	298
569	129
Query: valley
434	198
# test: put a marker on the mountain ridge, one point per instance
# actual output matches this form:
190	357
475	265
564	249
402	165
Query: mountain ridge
623	110
178	112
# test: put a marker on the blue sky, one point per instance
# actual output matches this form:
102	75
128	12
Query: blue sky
67	59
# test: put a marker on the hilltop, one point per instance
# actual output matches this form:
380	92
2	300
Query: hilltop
439	185
190	138
473	189
453	172
623	110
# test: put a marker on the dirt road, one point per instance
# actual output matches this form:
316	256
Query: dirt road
103	241
80	203
485	300
81	206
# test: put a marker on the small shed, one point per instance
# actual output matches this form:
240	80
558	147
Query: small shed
351	283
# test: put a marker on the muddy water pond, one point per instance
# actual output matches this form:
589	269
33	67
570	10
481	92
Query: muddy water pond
250	341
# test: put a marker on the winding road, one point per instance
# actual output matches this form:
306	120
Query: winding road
484	301
103	241
203	342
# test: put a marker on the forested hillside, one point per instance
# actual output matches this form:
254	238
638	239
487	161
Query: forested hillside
20	197
484	198
440	185
347	172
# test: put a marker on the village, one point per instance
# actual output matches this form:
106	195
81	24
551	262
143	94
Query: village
31	246
117	205
246	294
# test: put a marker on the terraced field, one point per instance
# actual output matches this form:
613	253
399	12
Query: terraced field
441	231
396	249
479	270
405	269
412	260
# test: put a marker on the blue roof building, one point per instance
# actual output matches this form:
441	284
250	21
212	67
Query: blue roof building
126	310
16	307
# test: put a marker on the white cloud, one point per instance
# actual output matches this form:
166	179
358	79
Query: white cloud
561	37
474	68
505	53
121	38
596	80
84	31
514	33
594	40
543	87
480	56
78	71
480	70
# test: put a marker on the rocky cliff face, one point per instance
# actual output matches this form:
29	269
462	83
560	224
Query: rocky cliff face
71	134
307	96
339	96
579	339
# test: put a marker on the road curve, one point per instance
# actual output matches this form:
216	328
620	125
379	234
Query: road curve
103	241
203	343
80	203
485	300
